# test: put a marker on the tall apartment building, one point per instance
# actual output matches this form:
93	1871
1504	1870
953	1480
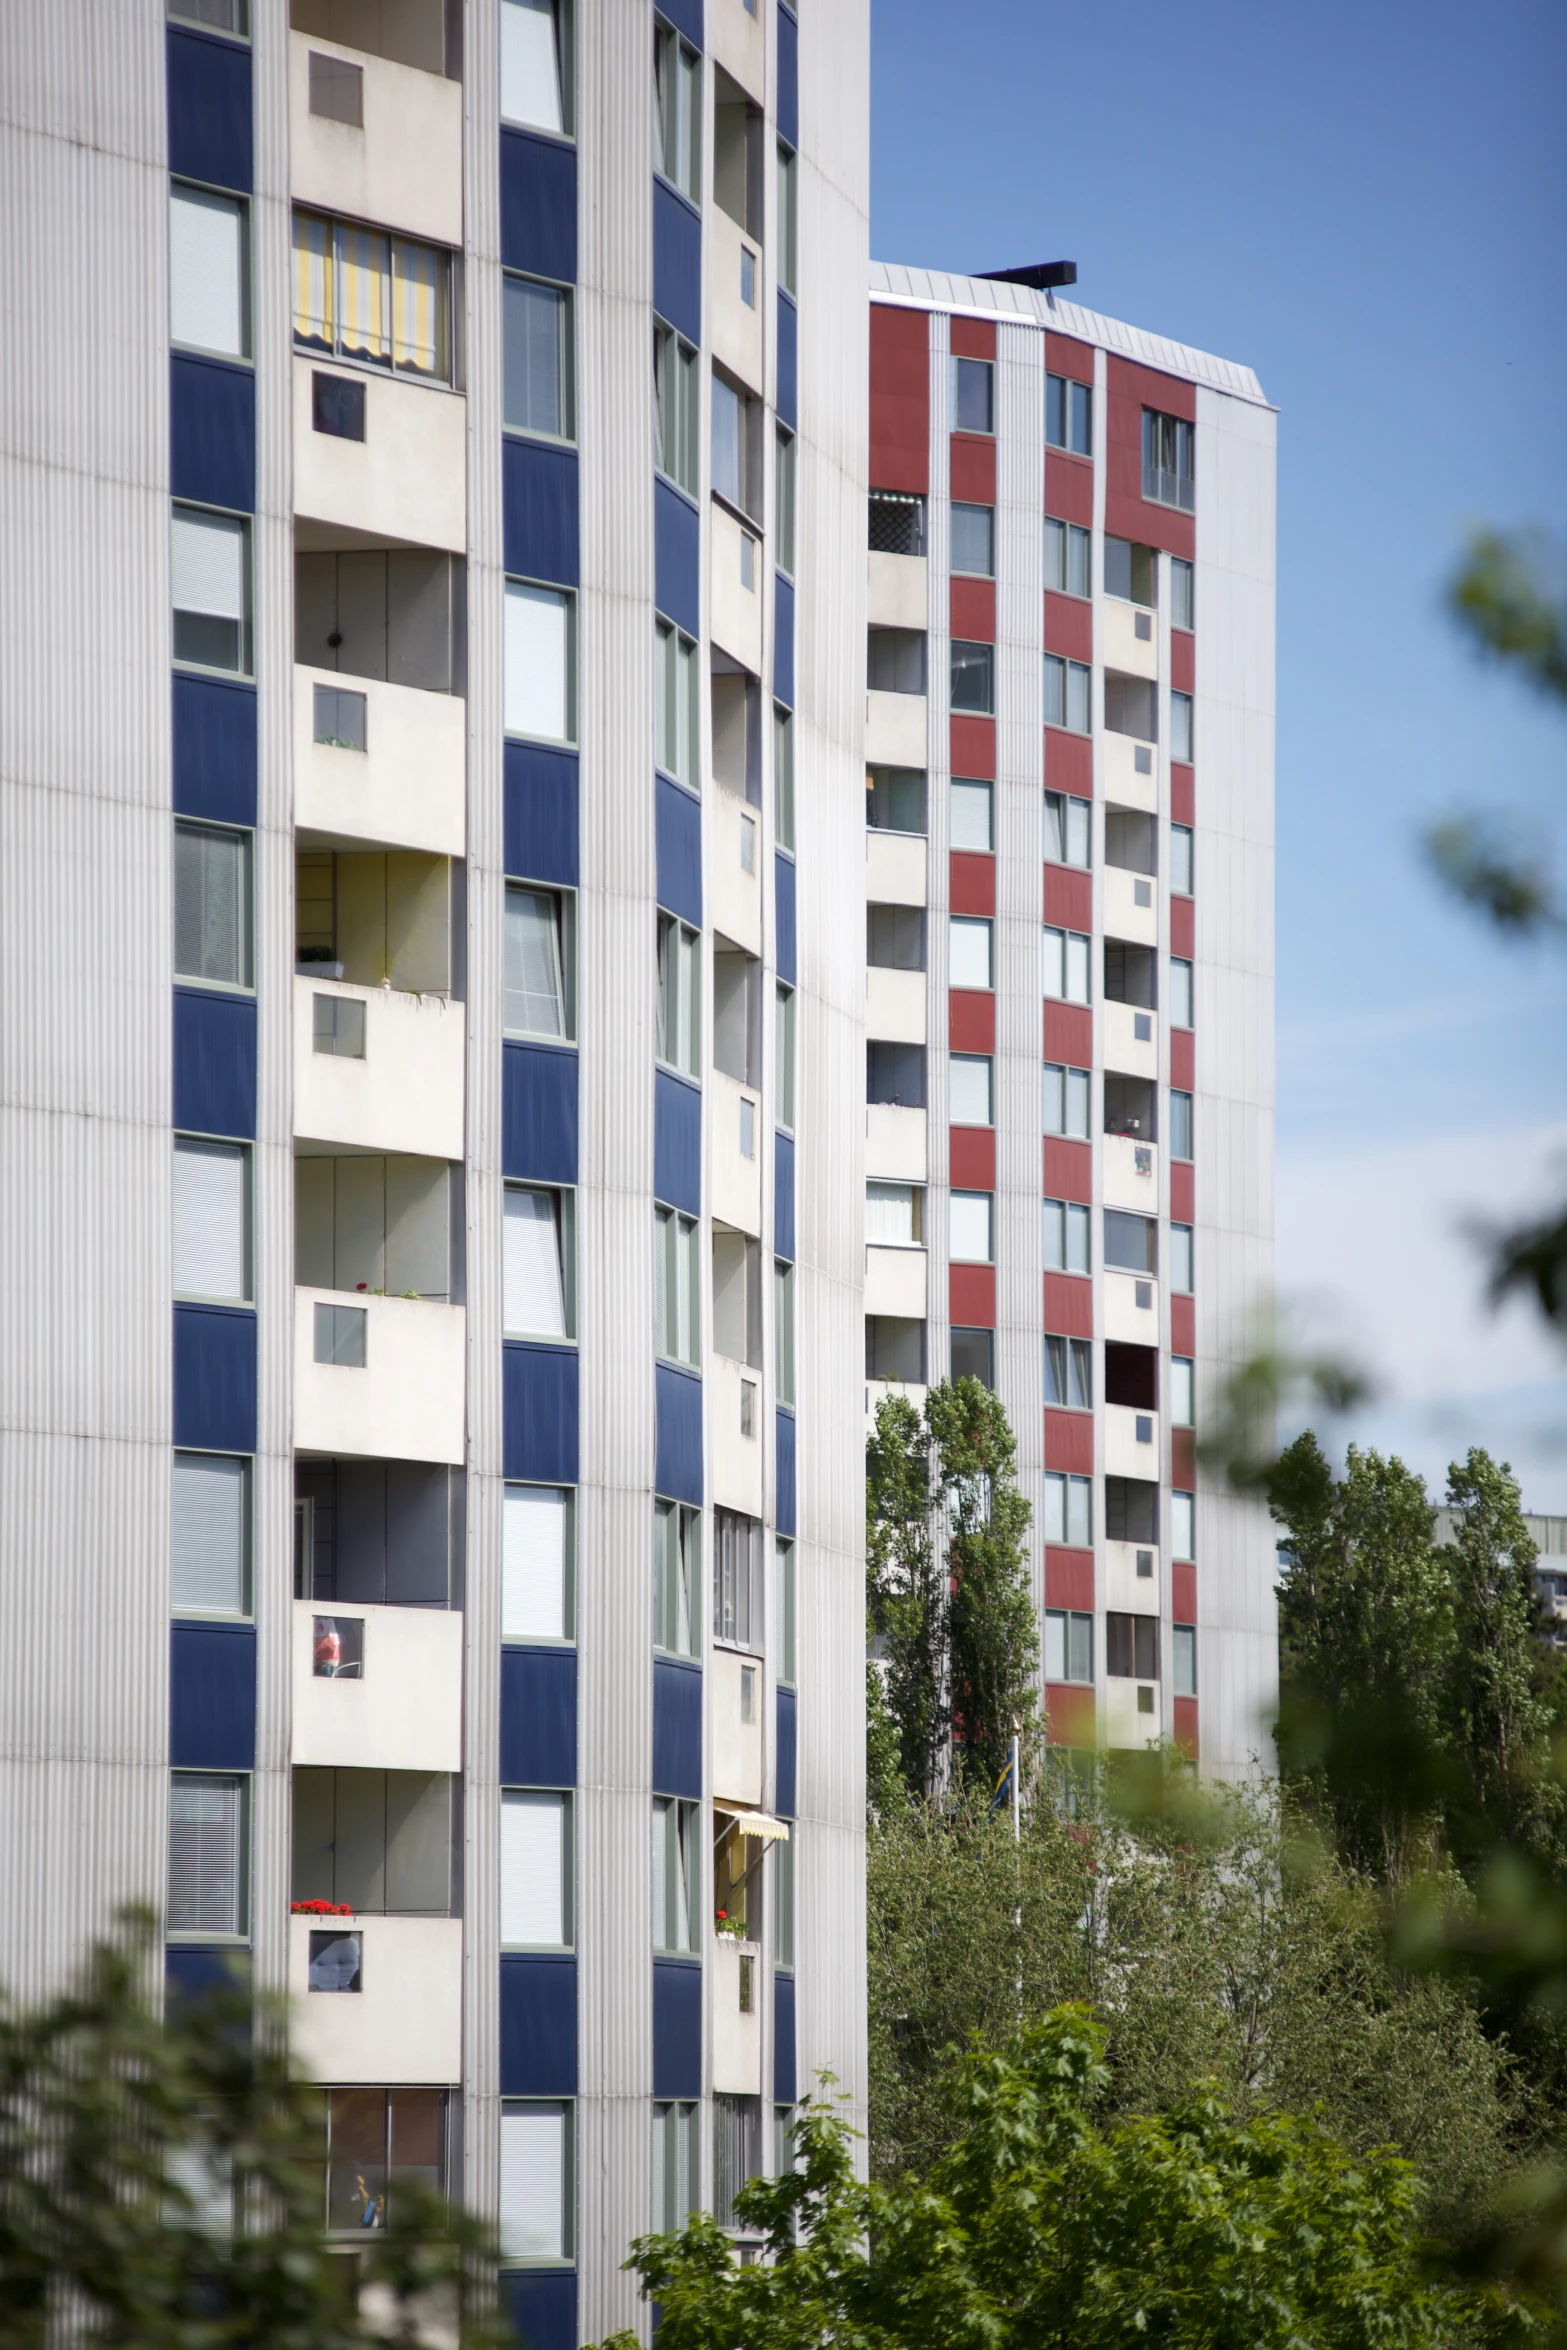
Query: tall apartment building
432	586
1069	746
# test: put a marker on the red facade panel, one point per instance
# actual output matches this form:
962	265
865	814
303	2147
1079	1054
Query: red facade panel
971	1296
972	744
1183	1459
1131	389
1065	355
971	882
972	338
1183	927
1183	795
1069	1715
1183	1192
971	1162
1183	1592
971	1021
1069	1578
1183	1058
1069	1305
1183	1323
1185	1726
1069	1442
1069	762
971	604
1069	898
1069	1171
973	462
1183	661
900	399
1069	488
1069	1034
1069	626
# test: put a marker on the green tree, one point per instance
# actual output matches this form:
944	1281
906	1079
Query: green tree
1498	1716
907	1592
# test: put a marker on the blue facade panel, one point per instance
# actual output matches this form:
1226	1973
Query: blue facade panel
678	1472
539	1413
783	642
677	1142
212	433
677	261
215	1063
215	1378
677	2028
541	2308
214	750
677	557
784	1456
212	1697
677	1729
788	101
539	512
209	111
788	362
685	16
538	2027
785	2089
678	824
784	1758
538	206
539	1113
538	1717
783	1196
783	903
542	827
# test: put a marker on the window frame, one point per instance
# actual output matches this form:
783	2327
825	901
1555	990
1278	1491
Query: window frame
784	1352
783	778
986	1061
971	1198
971	784
785	1610
745	502
1065	955
1073	544
1183	593
785	502
1076	1218
960	360
1183	724
684	1523
1183	1242
182	186
567	1638
243	835
967	925
689	110
183	1611
686	1814
228	1937
1182	1126
1071	1621
784	1890
1059	395
390	369
785	1049
1183	1525
676	663
1184	886
981	670
1069	1506
565	904
674	932
245	667
957	570
1069	690
564	1197
1067	1070
1181	990
1183	1660
1075	1380
1183	1391
185	14
671	351
542	589
511	2260
565	1798
1150	1224
1164	434
787	201
1066	814
566	358
678	2119
687	1231
246	1153
564	14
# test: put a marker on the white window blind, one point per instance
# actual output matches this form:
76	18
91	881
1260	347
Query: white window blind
968	1089
206	1855
537	692
968	953
530	65
534	1563
209	1219
533	1870
207	564
533	2183
969	1227
208	1564
534	1295
535	997
207	271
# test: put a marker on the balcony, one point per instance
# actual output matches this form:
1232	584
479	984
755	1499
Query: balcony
895	730
1131	1578
734	325
735	571
406	787
737	1687
896	1005
897	1283
1130	771
735	1118
895	1143
1133	1716
400	165
404	2023
736	1979
734	1423
899	591
1131	906
1131	638
401	1710
1132	1446
1129	1309
896	868
405	1398
399	1084
406	479
1131	1040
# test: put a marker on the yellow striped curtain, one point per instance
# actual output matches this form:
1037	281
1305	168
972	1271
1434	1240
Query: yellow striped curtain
314	321
416	309
362	264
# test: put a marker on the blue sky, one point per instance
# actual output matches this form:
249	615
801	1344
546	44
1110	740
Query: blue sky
1366	203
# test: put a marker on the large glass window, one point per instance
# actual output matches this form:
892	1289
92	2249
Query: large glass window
211	1219
677	2166
973	396
1066	1236
537	1270
537	1899
538	1563
539	387
1183	1391
1131	1242
209	1566
1066	1101
1069	415
1180	992
374	2139
677	111
1065	965
1169	450
1183	1660
538	2183
677	1578
1069	1510
1069	1645
209	583
1067	551
1068	829
677	1286
974	540
536	64
209	245
788	224
540	691
1180	1124
209	1857
736	454
677	716
1183	1525
679	996
676	433
212	905
677	1876
1069	1373
360	294
737	1580
1180	860
973	679
539	959
1067	694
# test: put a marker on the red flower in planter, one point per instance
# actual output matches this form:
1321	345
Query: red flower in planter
321	1909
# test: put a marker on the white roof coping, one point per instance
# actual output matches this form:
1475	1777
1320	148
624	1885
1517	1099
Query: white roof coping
979	297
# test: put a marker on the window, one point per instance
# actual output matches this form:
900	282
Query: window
217	16
212	905
337	1027
737	1014
377	1841
677	1578
1131	707
783	485
539	958
340	1336
1180	1125
892	1215
1180	992
1131	572
1168	449
1131	845
895	1074
538	2173
1183	1525
1131	1106
1064	965
677	716
783	1611
675	429
1069	1373
540	691
1069	1646
537	1901
209	581
1181	727
1066	1236
1068	829
973	395
537	1269
1181	860
1182	596
677	1876
737	2152
783	1080
974	540
1183	1659
895	660
209	1856
211	1219
788	222
538	1563
971	1354
1132	1647
677	101
677	1286
737	1580
968	952
1069	1510
895	799
969	812
536	64
209	290
1183	1391
677	2166
209	1550
1069	415
1067	551
1066	1102
896	523
371	2139
679	996
1181	1259
339	717
361	294
969	1090
1066	694
783	778
735	455
539	374
337	89
783	1329
895	938
969	1217
1131	1242
1131	974
973	678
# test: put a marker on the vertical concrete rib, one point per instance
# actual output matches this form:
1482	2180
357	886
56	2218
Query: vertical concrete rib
938	779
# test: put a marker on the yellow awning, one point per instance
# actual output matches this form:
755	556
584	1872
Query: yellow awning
754	1823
